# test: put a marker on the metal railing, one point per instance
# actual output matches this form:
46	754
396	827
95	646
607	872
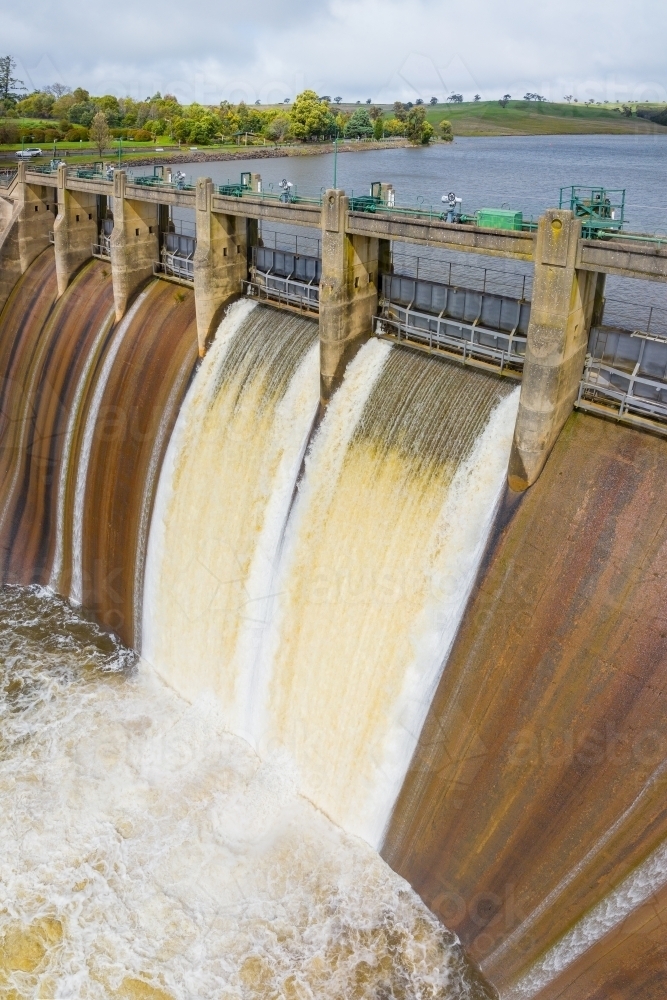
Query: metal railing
95	172
7	177
103	248
152	181
624	394
304	295
432	213
629	315
46	168
473	276
287	196
175	265
468	342
275	239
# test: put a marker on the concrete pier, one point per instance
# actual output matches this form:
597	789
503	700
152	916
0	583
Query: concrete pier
36	215
348	291
134	243
27	221
74	231
560	321
221	260
10	258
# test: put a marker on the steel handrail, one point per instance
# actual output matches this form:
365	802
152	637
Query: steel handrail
406	331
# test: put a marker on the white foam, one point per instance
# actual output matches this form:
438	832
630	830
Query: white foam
601	920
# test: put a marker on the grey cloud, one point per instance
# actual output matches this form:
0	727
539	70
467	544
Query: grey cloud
359	48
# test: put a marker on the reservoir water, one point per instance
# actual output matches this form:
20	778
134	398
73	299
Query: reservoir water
523	172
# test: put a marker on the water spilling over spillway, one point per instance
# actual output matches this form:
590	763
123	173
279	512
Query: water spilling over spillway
354	639
323	634
179	839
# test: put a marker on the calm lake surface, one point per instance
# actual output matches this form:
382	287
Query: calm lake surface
523	172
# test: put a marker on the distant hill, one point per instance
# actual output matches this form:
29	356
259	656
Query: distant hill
535	117
539	118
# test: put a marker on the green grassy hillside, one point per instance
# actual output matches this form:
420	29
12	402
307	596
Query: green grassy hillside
537	118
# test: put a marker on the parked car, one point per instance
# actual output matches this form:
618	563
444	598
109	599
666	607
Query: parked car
27	154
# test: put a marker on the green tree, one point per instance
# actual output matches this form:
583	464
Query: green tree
10	88
309	116
62	106
418	130
278	128
82	113
378	128
99	132
446	132
360	124
37	105
394	126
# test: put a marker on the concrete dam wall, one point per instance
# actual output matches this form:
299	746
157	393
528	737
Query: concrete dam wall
87	409
538	786
469	679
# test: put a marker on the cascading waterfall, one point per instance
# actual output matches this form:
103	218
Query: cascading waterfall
329	644
330	711
225	490
381	554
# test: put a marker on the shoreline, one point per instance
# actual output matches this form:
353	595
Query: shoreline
207	155
265	152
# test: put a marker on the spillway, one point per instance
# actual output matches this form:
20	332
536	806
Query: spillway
369	672
322	621
95	413
87	410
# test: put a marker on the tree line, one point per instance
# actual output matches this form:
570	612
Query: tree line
73	115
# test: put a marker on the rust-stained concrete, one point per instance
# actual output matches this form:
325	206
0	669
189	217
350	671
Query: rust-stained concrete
538	780
629	963
45	347
146	386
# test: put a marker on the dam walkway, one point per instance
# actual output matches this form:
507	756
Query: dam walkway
556	341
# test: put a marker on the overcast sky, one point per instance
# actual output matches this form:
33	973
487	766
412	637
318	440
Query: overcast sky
382	49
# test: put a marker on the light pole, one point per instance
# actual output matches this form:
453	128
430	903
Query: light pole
335	160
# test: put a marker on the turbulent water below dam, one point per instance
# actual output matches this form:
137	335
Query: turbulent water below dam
204	820
149	853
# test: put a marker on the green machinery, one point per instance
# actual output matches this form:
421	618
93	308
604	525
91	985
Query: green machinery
368	202
91	172
237	190
499	218
600	210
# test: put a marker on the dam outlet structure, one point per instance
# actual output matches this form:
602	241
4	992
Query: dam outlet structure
390	545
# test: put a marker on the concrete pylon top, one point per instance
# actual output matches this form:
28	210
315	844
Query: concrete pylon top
334	206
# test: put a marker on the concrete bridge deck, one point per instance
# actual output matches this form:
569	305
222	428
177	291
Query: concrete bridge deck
631	258
568	271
